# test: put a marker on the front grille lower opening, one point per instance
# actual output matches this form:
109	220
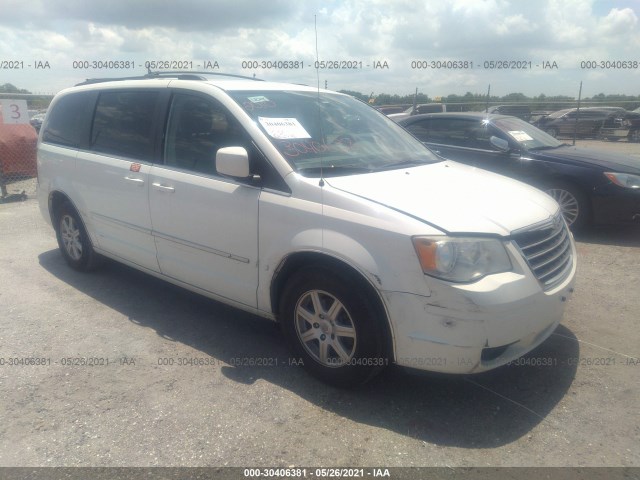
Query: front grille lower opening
491	353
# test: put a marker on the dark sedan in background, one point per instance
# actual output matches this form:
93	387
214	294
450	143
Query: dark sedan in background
591	186
585	123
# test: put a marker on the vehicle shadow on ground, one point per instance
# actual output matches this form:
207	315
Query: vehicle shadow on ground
471	411
622	236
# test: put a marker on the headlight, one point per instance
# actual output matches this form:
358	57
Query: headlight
625	180
461	259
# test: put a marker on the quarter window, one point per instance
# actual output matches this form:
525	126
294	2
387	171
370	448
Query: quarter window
69	121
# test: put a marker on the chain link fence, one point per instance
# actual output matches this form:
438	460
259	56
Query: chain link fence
19	126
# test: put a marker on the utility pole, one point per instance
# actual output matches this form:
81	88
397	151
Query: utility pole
486	110
575	127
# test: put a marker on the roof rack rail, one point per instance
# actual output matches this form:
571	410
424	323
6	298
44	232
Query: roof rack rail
196	72
179	74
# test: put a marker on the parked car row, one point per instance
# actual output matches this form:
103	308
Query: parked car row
520	111
418	110
591	186
607	123
36	120
596	122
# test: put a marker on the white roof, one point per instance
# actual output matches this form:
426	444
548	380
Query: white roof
224	83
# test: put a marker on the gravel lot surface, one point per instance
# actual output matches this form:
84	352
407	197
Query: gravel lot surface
572	402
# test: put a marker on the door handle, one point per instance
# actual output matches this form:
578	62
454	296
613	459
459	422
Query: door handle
164	188
139	181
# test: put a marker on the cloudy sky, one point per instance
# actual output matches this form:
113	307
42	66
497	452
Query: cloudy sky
399	37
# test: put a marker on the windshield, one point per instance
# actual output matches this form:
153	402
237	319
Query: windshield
527	136
331	134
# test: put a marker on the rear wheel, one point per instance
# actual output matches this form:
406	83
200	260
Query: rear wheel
333	326
73	240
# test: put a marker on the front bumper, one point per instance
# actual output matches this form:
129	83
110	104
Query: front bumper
476	327
616	205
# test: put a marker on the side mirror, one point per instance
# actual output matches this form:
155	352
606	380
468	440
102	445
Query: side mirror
233	162
499	143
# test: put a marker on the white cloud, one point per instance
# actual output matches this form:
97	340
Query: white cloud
399	31
618	23
571	22
515	23
58	42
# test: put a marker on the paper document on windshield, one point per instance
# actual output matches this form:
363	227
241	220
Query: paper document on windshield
520	136
283	128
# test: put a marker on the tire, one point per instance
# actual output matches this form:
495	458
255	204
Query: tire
331	324
573	204
553	132
73	241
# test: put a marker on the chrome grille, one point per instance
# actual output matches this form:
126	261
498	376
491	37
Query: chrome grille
547	250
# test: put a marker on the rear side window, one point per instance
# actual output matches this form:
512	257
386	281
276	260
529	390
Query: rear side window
123	124
69	121
420	130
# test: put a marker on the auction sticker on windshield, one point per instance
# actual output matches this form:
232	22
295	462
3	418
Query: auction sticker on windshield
520	136
259	99
283	128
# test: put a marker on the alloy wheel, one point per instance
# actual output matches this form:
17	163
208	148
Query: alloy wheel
568	204
70	233
325	328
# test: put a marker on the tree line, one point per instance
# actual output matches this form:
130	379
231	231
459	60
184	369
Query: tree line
477	102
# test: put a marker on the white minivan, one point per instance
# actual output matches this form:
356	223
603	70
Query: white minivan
309	208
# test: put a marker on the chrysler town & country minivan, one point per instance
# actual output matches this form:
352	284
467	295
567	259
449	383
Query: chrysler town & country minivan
309	208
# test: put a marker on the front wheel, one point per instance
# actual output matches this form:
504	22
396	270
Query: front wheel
573	204
333	326
552	131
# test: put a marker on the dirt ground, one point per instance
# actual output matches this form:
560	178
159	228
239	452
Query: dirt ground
116	368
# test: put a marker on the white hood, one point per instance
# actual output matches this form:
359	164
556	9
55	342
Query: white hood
454	197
